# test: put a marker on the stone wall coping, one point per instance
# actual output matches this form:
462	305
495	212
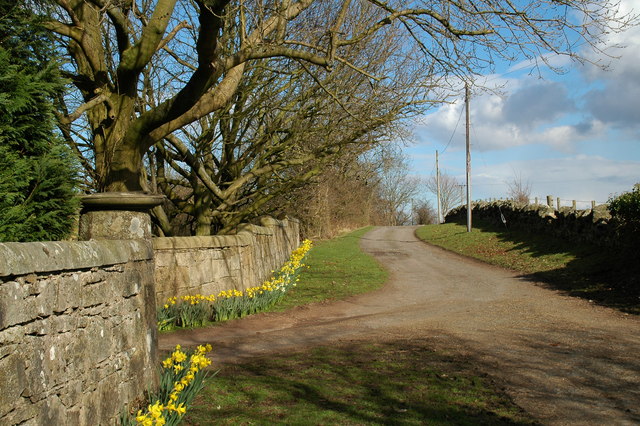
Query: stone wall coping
257	229
243	237
27	258
270	221
212	241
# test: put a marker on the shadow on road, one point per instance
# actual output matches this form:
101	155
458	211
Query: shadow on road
403	381
427	380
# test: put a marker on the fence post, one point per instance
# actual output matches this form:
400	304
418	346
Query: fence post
558	203
549	200
536	201
573	205
593	205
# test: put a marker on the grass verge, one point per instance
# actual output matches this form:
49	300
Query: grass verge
336	269
399	382
607	277
396	382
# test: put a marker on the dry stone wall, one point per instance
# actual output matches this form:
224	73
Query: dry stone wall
592	226
77	330
78	333
208	265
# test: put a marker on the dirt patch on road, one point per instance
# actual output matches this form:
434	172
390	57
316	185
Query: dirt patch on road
563	360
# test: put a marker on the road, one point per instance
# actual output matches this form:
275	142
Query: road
564	360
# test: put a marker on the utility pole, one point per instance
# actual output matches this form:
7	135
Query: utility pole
466	105
438	189
461	187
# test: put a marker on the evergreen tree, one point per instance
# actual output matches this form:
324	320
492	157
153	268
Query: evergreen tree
37	171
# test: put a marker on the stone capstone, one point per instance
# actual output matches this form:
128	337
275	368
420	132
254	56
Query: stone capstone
114	225
117	215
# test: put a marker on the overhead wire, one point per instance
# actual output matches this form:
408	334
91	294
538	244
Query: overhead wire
516	69
454	132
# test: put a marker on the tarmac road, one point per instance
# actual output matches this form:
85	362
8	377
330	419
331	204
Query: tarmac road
563	360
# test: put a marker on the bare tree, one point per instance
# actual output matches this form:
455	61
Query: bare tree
343	196
396	189
451	191
424	213
280	130
114	48
519	190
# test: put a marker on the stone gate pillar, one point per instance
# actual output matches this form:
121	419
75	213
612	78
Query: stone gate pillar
117	215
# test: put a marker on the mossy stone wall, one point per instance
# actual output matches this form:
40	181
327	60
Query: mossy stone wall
208	265
77	330
593	226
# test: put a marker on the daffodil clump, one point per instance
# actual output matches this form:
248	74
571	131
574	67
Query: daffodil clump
186	311
181	378
195	311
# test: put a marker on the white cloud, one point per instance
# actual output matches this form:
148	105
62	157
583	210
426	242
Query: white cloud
580	177
587	111
531	113
539	102
564	138
616	99
551	60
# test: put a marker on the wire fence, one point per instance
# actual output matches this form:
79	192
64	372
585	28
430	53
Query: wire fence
557	202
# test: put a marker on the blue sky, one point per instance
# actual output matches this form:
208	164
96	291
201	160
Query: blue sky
575	136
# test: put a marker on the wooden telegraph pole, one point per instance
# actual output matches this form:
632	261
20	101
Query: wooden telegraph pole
438	189
466	105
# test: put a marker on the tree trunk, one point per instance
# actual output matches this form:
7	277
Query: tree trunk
121	154
124	173
202	211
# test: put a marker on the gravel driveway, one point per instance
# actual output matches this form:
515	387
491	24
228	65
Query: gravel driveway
563	360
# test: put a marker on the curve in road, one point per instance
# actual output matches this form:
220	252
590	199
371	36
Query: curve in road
563	360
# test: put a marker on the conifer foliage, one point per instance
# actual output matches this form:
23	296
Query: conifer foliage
37	172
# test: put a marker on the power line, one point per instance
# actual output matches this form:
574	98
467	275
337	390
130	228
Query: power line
454	131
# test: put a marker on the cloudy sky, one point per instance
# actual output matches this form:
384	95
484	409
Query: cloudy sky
575	136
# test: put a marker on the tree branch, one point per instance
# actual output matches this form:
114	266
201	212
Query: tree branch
68	119
196	165
136	57
119	21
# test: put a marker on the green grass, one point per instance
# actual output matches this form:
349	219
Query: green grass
402	382
490	245
606	276
399	382
336	269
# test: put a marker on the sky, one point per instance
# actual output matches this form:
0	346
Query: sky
574	135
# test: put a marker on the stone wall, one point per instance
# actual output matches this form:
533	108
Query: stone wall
77	330
78	334
208	265
591	226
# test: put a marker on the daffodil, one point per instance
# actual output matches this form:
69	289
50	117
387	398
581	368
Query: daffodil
181	409
140	418
178	356
156	410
